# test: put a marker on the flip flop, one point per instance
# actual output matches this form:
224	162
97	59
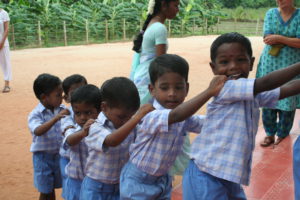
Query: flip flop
6	89
268	140
278	140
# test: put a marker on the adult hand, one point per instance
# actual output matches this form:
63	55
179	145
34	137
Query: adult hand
273	39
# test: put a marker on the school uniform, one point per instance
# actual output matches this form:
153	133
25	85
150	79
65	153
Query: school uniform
67	121
296	165
45	149
75	169
221	155
104	163
154	151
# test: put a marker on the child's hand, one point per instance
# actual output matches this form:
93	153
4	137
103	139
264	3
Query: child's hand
143	110
62	114
216	84
87	126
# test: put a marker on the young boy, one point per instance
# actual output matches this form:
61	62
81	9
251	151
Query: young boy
86	102
161	133
44	125
221	155
107	140
69	84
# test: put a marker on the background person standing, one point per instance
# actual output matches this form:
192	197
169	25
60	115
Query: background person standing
4	49
282	39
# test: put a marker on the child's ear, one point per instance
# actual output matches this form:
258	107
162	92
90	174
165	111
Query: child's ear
151	88
187	88
213	67
252	63
66	98
103	106
43	97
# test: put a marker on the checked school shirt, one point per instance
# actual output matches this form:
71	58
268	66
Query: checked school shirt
157	143
104	164
77	155
224	147
50	141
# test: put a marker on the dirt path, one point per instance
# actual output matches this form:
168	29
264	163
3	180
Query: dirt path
97	63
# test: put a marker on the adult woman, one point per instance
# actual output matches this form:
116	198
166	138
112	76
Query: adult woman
4	49
151	42
282	39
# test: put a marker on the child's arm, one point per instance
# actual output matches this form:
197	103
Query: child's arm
290	89
75	138
118	136
188	108
42	129
276	78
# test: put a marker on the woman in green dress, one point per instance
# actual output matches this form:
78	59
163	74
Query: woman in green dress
282	39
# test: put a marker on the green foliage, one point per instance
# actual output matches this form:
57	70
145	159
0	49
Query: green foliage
77	14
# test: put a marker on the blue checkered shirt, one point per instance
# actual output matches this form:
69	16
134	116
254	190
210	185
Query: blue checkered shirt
77	154
50	141
157	143
105	163
224	147
65	122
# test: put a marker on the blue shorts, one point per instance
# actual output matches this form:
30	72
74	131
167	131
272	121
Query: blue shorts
95	190
63	163
296	167
200	185
72	189
138	185
46	171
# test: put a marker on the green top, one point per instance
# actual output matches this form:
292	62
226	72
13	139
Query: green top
274	24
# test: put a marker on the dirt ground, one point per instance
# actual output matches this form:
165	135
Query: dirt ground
97	63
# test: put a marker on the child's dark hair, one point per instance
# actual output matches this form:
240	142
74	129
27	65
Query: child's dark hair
45	84
73	79
168	63
88	94
137	42
120	92
233	37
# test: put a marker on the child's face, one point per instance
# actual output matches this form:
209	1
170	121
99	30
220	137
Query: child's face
67	97
169	90
53	99
117	115
83	112
233	61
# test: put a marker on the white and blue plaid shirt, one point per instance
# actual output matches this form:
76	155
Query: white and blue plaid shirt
224	147
50	141
78	155
65	122
105	163
157	143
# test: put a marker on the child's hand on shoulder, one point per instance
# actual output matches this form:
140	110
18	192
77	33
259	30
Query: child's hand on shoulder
216	84
87	126
62	114
143	110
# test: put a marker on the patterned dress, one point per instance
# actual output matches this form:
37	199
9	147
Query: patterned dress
274	24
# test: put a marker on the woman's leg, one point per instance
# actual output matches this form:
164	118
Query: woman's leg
6	67
269	118
285	124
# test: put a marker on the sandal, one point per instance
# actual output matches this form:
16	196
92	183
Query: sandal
267	141
6	89
279	139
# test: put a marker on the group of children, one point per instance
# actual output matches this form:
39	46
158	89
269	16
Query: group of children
107	146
